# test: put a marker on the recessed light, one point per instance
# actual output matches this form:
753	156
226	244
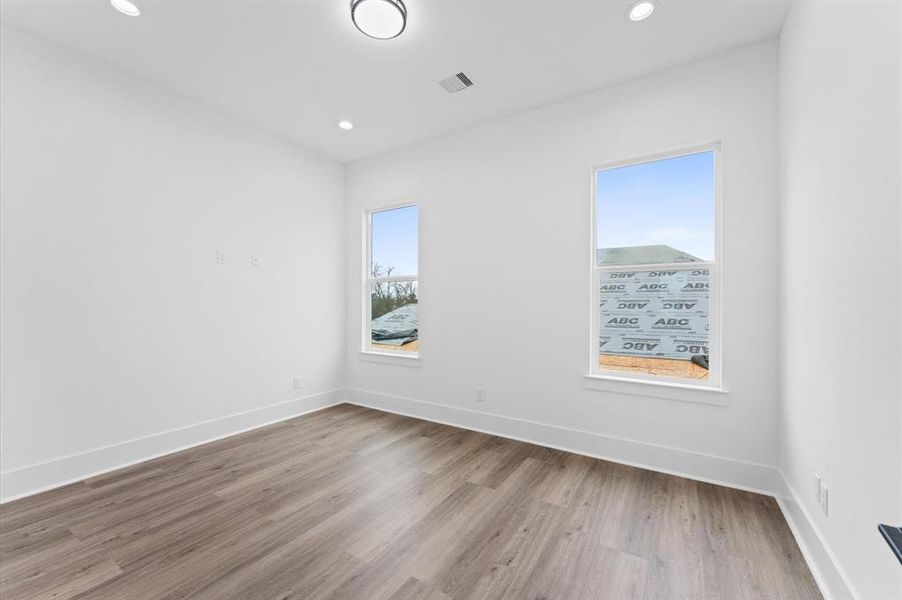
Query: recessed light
641	10
125	7
346	125
379	19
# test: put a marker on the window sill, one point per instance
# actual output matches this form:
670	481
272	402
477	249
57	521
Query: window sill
390	358
666	390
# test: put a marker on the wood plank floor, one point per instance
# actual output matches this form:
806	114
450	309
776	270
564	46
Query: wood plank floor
351	503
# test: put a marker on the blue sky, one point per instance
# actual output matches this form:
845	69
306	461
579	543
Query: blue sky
395	239
669	201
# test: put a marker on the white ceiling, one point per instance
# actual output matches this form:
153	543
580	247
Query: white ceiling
296	67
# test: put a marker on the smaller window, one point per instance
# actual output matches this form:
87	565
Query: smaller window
391	292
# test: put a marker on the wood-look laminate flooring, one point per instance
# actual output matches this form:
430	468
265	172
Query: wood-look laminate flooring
351	503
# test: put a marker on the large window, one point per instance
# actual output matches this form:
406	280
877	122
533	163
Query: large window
392	322
655	269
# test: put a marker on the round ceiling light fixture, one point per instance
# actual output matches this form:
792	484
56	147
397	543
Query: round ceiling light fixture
379	19
346	125
641	10
125	7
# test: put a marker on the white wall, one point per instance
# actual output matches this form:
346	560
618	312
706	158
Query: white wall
117	321
841	298
504	266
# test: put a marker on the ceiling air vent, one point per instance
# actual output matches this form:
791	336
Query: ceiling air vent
455	83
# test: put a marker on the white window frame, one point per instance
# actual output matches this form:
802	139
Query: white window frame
367	350
614	380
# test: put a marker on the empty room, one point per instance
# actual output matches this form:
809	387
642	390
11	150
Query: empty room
451	299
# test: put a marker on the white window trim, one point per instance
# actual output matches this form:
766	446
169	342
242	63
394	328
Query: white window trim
654	385
651	388
366	350
407	359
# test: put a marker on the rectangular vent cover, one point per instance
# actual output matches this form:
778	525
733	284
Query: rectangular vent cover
455	83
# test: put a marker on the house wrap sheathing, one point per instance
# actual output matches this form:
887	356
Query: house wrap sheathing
653	312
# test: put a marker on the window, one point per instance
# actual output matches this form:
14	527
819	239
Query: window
392	322
655	269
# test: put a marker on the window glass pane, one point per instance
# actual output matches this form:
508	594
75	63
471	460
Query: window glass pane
394	242
656	212
655	321
395	324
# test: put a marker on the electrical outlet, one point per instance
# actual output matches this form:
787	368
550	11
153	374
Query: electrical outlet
256	260
297	384
221	257
822	494
825	499
480	394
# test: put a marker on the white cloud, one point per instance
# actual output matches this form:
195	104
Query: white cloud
666	234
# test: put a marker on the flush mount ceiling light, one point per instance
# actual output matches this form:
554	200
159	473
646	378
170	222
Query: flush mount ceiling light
125	7
641	10
346	125
379	19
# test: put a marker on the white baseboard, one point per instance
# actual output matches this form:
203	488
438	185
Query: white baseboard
25	481
693	465
830	577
